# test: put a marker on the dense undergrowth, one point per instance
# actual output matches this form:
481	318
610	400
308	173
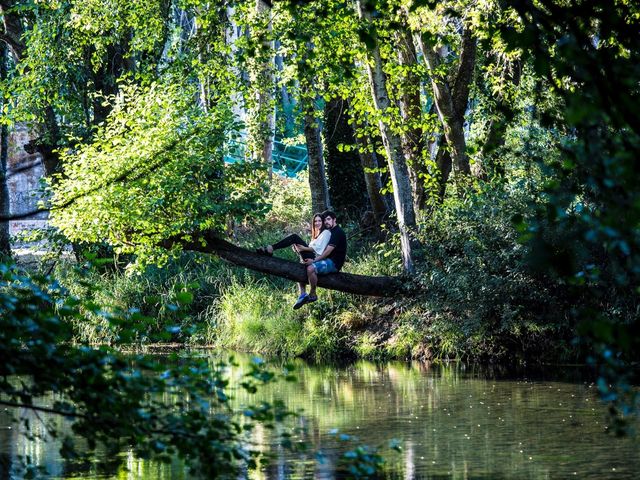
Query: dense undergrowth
477	297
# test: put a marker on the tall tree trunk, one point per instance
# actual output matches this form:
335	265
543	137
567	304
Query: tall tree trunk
444	164
372	179
413	143
347	189
262	127
12	34
451	102
403	198
317	174
5	244
233	33
47	142
288	102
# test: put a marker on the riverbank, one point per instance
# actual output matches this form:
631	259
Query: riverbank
474	295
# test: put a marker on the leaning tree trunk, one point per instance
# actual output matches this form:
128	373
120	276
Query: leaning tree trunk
451	102
209	242
5	244
413	144
403	198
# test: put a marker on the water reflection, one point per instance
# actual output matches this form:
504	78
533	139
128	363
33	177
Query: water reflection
452	422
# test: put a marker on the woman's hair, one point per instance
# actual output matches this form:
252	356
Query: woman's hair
315	232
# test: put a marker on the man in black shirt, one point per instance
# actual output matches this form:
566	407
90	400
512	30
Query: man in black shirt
330	261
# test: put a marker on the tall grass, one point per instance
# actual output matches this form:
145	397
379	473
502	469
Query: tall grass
256	315
158	294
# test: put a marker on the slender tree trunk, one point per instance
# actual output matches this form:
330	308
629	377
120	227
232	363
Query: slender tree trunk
5	244
317	174
444	164
47	143
288	102
403	198
372	179
232	35
262	132
12	34
451	102
413	143
347	189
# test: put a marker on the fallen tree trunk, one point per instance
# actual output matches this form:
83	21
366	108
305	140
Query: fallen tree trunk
208	242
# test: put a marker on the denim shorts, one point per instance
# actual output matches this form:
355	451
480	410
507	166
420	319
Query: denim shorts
324	266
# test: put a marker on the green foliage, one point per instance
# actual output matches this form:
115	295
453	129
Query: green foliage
549	243
154	171
591	57
367	345
257	317
116	401
290	205
407	338
179	302
483	298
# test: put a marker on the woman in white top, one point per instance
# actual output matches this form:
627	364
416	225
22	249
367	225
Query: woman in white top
319	241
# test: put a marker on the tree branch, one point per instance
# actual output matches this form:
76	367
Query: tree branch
41	409
208	242
465	72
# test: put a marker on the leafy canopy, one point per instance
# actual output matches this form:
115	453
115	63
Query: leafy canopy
154	170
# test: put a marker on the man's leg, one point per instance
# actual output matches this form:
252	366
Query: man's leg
302	288
313	280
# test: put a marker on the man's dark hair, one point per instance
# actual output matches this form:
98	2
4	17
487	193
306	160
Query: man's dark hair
329	213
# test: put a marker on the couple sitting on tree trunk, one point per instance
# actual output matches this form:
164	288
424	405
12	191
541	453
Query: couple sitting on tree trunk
324	254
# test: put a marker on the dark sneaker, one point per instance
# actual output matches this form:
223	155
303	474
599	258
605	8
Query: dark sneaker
264	251
311	299
302	299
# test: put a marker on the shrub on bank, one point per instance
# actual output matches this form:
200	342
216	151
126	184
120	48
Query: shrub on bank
483	298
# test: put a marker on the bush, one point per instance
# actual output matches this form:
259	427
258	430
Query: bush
484	298
256	317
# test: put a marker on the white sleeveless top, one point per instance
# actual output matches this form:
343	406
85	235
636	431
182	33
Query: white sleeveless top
320	242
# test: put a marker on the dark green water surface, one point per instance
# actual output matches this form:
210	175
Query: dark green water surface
451	421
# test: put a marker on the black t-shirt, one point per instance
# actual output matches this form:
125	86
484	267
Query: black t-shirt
339	241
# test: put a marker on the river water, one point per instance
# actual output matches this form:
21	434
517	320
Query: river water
452	422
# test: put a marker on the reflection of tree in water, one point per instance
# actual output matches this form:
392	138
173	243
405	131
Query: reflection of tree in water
452	422
470	422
